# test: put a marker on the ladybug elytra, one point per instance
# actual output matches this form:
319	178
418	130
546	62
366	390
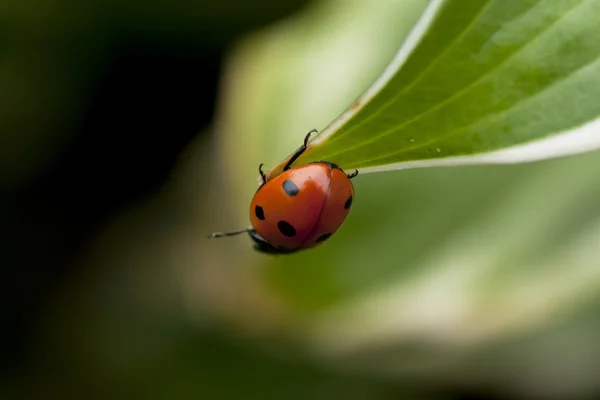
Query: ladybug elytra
299	208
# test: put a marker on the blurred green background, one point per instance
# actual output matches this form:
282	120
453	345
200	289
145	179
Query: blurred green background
130	131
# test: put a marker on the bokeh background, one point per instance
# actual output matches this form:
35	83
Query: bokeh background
130	131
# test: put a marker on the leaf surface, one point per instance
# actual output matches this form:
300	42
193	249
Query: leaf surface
477	82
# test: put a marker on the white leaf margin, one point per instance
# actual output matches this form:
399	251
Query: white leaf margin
582	139
410	44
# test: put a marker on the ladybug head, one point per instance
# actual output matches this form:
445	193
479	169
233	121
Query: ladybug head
261	245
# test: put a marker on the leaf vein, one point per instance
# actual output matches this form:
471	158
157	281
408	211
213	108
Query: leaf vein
423	73
520	104
449	100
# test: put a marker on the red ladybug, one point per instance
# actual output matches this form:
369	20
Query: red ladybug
300	208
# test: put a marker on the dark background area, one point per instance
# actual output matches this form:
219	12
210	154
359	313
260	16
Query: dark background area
152	93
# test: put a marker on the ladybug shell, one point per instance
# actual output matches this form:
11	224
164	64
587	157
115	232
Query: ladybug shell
300	208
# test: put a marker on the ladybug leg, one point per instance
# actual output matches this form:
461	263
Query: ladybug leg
262	174
352	175
299	152
232	233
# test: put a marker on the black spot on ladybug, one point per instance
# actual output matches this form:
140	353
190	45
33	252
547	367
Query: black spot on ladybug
290	188
260	214
287	229
348	203
323	237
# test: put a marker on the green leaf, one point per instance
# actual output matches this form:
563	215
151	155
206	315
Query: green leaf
477	82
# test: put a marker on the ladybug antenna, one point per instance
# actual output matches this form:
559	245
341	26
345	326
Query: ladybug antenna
232	233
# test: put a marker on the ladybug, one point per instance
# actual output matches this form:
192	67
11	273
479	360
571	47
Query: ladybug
300	208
